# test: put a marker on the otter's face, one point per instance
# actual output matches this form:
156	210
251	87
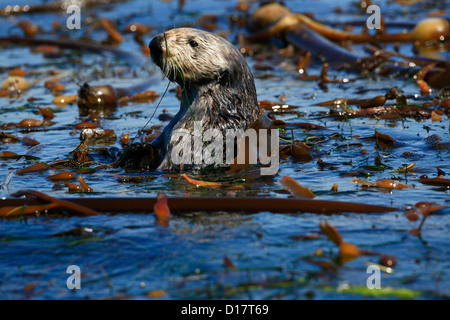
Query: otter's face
201	57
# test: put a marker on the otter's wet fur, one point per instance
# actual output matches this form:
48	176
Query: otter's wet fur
218	90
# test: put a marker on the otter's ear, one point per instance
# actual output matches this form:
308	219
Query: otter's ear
225	78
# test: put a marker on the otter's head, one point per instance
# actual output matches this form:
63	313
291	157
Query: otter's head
201	57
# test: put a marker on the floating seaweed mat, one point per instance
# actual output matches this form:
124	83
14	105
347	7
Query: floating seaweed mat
206	204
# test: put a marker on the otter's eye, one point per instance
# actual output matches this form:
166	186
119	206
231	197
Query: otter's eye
193	43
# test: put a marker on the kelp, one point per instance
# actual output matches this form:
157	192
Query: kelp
178	205
306	34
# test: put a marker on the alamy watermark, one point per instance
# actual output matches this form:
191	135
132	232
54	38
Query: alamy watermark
374	280
207	147
74	20
73	281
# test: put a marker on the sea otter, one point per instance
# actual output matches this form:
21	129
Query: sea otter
218	92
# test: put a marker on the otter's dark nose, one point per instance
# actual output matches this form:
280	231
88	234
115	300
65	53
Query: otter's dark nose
155	48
